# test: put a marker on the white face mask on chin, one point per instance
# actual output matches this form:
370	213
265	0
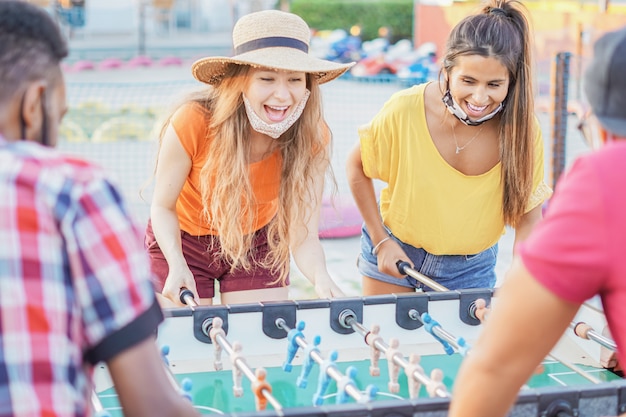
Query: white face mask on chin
456	110
275	130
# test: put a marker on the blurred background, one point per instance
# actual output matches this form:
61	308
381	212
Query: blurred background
129	65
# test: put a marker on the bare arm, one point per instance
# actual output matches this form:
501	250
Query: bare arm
526	318
306	248
362	188
526	225
142	384
173	167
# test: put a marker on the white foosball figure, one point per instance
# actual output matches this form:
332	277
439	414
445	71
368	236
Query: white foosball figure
436	382
371	339
394	368
608	358
481	310
413	383
216	329
237	374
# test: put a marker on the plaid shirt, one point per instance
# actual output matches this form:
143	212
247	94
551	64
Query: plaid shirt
74	280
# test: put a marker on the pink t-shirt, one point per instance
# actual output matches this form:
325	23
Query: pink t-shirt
579	249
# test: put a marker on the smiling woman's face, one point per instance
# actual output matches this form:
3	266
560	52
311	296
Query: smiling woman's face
274	95
478	84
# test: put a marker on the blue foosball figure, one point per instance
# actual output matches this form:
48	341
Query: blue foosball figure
292	346
301	382
324	378
371	391
348	378
186	386
165	350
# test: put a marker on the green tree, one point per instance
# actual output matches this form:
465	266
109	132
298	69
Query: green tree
369	15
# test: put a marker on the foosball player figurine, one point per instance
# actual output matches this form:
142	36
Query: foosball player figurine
344	381
324	378
436	383
165	350
292	346
258	385
371	338
413	383
394	368
371	391
186	386
307	365
237	374
608	357
220	397
481	309
430	324
216	329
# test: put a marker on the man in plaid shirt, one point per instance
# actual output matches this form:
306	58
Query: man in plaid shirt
75	284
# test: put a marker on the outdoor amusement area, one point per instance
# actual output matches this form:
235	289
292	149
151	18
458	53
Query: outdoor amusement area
129	65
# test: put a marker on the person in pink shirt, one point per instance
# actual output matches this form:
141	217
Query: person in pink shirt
575	253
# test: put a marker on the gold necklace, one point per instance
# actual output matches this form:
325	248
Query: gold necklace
460	148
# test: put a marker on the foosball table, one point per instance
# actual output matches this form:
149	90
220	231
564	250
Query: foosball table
392	355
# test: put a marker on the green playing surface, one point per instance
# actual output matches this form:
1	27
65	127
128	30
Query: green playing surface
212	391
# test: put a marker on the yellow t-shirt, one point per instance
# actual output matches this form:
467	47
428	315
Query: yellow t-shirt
427	203
191	124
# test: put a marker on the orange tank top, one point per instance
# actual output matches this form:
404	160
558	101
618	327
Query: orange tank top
191	123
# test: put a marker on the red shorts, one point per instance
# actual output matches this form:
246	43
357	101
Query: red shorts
207	267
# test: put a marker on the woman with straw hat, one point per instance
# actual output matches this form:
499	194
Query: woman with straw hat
241	168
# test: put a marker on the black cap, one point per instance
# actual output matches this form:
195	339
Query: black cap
605	81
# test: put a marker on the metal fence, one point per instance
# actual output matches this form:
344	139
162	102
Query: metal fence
115	123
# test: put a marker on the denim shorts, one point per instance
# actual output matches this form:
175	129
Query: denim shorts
454	272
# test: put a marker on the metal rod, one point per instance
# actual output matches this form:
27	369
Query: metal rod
439	331
171	377
96	404
351	321
558	114
405	268
245	369
332	371
584	331
186	297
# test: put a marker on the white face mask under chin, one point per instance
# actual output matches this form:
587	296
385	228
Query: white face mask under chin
456	110
274	130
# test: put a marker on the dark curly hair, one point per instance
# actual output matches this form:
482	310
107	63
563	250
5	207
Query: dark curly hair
31	46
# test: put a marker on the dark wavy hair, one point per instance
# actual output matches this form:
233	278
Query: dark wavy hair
31	46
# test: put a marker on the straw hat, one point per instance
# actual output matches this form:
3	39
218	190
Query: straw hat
271	39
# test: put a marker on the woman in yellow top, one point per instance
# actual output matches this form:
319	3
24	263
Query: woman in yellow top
461	158
241	168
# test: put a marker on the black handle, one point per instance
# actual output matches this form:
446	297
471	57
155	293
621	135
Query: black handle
405	268
402	267
184	293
